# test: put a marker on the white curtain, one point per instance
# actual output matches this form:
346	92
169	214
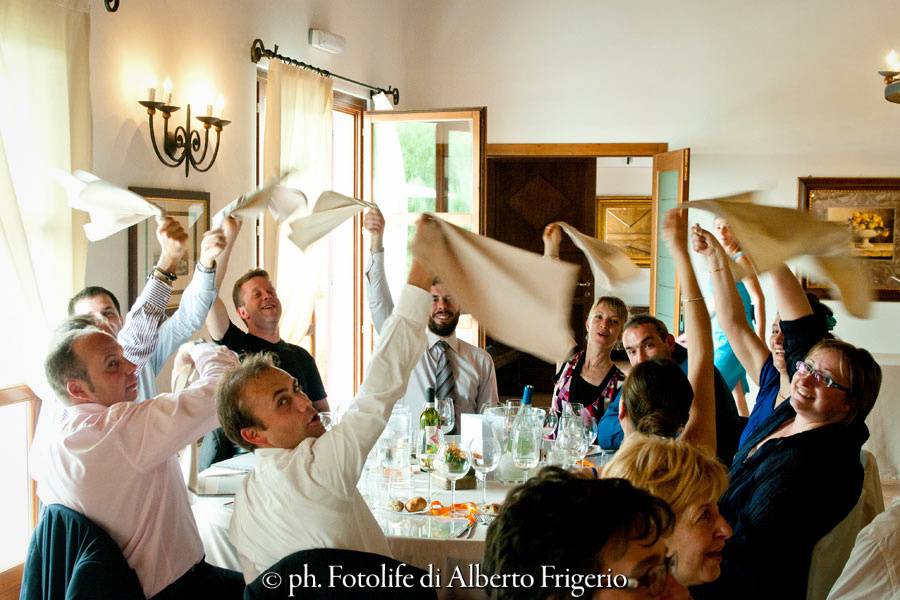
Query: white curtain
297	137
45	122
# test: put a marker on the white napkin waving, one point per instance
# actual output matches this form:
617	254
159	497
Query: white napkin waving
282	201
609	264
330	211
110	207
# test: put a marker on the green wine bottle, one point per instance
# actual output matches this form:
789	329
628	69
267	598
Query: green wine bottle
429	423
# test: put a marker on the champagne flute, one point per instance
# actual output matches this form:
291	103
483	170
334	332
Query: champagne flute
446	409
452	462
485	455
425	453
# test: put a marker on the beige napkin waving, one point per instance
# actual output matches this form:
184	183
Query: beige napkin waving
282	201
519	297
609	264
772	235
331	210
110	207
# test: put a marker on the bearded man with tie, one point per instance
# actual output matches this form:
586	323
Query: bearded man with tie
453	367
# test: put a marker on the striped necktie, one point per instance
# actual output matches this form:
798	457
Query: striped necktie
443	374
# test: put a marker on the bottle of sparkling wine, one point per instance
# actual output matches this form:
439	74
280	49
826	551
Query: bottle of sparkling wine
430	424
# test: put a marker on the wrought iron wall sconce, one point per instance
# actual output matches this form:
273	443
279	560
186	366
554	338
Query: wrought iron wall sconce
183	145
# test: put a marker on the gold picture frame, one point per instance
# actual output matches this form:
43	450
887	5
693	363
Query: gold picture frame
188	207
871	209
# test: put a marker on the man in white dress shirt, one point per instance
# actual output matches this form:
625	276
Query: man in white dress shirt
302	493
113	460
472	380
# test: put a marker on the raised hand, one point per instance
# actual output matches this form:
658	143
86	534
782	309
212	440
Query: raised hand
173	241
552	237
675	229
231	227
373	222
211	247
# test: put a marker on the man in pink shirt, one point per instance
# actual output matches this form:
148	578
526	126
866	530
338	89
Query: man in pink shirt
113	460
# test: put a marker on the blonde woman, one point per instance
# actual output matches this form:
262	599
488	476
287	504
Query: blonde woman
690	480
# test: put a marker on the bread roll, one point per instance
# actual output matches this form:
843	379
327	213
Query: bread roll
415	504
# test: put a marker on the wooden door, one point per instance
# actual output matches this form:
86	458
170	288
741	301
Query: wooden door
671	172
524	194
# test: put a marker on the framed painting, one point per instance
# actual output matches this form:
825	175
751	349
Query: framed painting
191	209
869	207
627	222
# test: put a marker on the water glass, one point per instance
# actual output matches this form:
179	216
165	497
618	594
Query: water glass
327	420
526	445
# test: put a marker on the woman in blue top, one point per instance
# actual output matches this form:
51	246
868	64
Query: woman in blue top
799	474
754	304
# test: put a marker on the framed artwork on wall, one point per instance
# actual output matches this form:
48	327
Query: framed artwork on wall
627	222
191	209
870	208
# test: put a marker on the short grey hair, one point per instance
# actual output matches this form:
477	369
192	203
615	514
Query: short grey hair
62	362
230	403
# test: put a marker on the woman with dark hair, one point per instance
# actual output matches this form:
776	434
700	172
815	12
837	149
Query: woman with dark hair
657	397
590	377
799	474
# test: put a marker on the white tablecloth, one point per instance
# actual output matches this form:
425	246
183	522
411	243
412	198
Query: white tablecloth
213	514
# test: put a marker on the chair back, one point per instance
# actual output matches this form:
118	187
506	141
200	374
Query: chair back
832	551
311	572
71	558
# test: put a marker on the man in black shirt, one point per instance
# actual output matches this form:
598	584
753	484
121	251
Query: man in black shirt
258	306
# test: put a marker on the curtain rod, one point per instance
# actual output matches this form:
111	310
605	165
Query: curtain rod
258	50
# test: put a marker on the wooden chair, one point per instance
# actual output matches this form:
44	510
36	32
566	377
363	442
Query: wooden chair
832	551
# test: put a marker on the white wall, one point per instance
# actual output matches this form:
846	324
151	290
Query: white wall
208	42
762	92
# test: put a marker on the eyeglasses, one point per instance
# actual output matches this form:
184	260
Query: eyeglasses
806	369
655	579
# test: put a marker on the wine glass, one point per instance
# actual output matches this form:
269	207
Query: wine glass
485	455
445	408
452	462
550	423
327	420
426	450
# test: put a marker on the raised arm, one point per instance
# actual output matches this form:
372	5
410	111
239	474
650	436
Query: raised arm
150	432
377	291
701	426
749	349
340	454
140	332
195	302
751	282
217	319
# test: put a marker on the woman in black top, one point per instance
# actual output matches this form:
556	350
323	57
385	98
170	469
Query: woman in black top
800	474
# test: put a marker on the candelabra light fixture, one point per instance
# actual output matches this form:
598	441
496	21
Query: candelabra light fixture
892	77
183	144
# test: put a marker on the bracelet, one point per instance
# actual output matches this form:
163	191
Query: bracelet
154	274
692	299
717	270
203	269
170	277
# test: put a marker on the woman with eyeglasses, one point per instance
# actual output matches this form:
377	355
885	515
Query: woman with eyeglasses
691	480
799	473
